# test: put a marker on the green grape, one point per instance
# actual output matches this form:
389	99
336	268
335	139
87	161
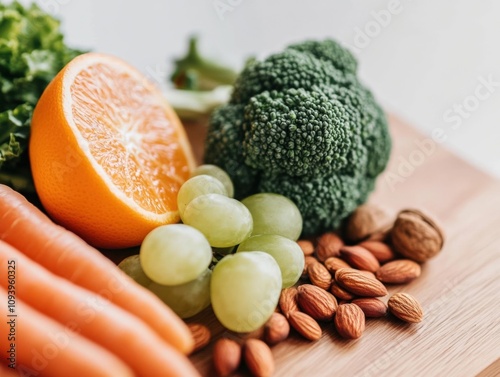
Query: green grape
198	186
188	299
218	173
132	267
224	221
245	289
175	254
274	214
287	253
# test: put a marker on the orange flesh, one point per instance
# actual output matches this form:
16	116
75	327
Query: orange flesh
127	132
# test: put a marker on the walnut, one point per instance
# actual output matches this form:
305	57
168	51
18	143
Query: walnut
365	221
416	236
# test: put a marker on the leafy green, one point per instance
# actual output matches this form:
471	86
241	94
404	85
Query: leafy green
32	52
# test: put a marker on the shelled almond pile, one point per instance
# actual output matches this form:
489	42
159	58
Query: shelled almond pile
343	281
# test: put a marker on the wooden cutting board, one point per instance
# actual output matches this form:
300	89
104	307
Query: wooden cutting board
459	289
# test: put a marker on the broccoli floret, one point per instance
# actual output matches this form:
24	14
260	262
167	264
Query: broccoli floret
301	124
376	134
311	133
331	52
223	148
290	69
375	140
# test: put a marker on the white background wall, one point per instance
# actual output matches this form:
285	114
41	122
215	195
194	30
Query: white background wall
419	57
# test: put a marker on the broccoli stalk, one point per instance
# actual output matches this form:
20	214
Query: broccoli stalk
194	105
195	72
200	84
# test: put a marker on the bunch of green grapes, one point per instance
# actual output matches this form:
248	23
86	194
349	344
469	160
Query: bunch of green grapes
254	238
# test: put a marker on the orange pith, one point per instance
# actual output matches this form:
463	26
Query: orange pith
108	154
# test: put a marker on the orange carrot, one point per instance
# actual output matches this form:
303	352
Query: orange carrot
43	347
96	318
25	227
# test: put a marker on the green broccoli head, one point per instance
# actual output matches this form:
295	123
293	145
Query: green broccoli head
290	69
330	52
301	124
311	133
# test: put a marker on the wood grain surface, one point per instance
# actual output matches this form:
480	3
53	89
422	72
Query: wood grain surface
459	289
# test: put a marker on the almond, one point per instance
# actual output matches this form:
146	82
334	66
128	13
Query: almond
308	260
380	250
316	302
372	307
333	264
258	358
340	292
406	307
329	245
350	321
288	301
226	356
359	284
368	274
319	275
201	335
306	246
360	258
305	325
276	329
399	271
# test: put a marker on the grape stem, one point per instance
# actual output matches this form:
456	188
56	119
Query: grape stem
217	256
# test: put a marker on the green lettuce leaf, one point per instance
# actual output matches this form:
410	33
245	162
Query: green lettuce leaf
14	131
32	52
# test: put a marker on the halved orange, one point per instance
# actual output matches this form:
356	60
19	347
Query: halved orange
108	154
